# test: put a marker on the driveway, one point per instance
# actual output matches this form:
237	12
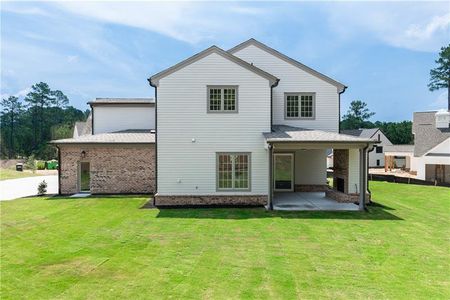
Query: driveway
24	187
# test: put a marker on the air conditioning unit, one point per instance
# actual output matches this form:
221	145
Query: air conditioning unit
442	119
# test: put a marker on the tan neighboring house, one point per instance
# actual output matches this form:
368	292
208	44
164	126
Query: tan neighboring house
236	127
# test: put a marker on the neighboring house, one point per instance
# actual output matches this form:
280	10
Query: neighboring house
78	129
233	127
431	157
376	157
398	156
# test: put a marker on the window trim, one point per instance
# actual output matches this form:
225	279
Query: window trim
222	111
299	94
249	154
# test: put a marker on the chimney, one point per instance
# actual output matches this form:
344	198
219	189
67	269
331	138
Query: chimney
442	119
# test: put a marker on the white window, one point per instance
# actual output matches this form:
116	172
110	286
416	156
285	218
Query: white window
299	106
233	171
222	98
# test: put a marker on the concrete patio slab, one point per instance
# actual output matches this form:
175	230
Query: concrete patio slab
309	201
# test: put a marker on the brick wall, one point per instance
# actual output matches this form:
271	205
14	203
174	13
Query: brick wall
114	168
253	200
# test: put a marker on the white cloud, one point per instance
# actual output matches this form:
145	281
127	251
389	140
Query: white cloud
416	26
22	9
190	22
438	23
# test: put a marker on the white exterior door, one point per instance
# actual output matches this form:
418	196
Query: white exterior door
283	172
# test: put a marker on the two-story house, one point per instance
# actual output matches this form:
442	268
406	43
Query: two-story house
236	127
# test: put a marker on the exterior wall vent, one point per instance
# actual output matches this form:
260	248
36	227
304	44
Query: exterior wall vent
442	119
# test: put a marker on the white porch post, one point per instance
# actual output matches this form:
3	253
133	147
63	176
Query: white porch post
362	177
270	204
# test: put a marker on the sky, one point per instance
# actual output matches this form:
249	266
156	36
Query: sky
383	51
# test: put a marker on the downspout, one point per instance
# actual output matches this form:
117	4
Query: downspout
271	102
92	118
156	139
368	190
339	108
363	177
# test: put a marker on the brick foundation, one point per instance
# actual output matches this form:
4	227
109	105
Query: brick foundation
114	168
311	187
211	200
344	198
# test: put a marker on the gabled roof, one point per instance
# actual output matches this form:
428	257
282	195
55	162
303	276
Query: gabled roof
154	80
283	133
103	101
363	133
341	87
120	137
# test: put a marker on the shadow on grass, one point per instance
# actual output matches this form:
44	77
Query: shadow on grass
373	213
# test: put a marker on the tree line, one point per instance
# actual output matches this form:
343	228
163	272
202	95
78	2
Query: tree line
27	126
358	114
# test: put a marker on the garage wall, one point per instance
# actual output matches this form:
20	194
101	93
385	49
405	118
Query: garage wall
115	169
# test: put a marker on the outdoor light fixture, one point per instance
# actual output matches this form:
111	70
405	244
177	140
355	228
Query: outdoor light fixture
83	154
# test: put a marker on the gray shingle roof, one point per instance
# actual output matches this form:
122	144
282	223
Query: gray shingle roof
122	101
120	137
399	148
283	133
362	133
426	135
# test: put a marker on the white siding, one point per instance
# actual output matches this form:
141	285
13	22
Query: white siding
118	117
293	79
189	168
353	170
310	166
373	156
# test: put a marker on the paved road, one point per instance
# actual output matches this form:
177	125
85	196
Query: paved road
23	187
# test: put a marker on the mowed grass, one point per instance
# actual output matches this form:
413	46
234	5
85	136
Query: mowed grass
13	174
109	248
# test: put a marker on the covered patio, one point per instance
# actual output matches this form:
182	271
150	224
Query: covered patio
309	201
298	169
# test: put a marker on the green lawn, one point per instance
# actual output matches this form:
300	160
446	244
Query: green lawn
13	174
109	248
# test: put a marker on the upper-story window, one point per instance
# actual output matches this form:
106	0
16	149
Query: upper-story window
299	105
222	98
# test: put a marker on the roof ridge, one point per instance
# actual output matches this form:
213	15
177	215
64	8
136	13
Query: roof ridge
154	80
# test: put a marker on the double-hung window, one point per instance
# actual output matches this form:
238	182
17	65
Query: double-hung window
222	98
299	105
233	171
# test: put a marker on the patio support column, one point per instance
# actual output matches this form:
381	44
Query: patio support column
362	177
270	204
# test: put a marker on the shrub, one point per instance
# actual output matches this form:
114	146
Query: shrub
42	188
31	163
40	164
